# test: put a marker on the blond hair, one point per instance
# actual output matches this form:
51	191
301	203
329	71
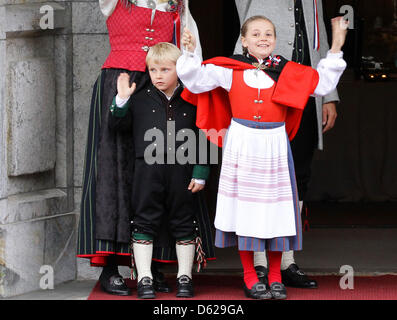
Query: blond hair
163	51
244	28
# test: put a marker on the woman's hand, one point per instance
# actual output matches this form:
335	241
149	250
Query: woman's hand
124	90
188	40
339	32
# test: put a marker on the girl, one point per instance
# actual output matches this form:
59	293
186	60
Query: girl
260	98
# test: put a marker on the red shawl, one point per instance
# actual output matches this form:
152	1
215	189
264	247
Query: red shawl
295	85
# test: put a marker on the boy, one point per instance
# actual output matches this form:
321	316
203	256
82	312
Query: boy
164	191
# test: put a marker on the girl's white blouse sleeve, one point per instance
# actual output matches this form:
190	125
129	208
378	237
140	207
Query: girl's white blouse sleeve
107	7
202	78
329	69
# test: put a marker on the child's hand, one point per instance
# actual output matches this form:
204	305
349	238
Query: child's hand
124	90
339	31
188	40
195	187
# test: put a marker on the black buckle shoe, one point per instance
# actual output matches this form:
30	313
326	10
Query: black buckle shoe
258	291
278	291
114	284
294	277
262	273
145	289
184	287
159	282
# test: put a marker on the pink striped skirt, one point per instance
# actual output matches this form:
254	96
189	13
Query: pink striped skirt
257	204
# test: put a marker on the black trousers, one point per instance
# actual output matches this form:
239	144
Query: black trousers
161	198
303	146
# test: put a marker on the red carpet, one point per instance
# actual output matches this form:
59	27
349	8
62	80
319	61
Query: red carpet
214	287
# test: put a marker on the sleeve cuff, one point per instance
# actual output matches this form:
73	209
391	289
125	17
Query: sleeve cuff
338	55
118	112
201	172
200	181
120	102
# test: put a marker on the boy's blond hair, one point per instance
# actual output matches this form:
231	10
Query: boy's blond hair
163	51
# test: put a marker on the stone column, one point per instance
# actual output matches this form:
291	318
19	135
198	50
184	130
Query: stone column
37	209
90	49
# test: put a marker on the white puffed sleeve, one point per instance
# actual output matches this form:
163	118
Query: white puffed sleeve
202	78
330	70
107	7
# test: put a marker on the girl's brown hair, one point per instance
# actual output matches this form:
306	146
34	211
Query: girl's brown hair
244	28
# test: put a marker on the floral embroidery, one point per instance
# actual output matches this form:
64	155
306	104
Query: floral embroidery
272	62
269	62
172	5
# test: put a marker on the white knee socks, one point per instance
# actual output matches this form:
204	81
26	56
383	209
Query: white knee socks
143	259
185	255
260	259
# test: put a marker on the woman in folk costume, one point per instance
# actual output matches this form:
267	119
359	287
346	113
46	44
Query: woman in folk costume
105	219
260	98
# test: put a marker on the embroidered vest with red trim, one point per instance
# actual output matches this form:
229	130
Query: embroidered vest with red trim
246	104
131	34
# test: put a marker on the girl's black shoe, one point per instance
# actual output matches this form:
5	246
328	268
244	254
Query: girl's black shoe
278	291
258	291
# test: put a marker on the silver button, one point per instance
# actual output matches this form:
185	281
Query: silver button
290	43
151	30
147	29
145	48
154	110
147	38
289	9
151	39
184	114
169	133
292	25
255	101
260	101
182	148
170	119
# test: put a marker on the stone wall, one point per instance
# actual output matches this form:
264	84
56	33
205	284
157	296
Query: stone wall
45	89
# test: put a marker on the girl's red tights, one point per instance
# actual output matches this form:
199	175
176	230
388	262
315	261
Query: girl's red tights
247	260
274	263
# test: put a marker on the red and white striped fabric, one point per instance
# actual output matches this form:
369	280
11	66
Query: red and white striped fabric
255	194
